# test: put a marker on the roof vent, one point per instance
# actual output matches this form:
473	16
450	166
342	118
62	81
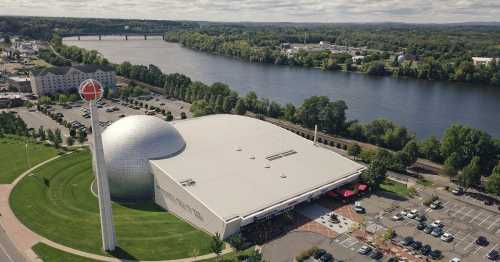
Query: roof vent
238	149
283	176
267	165
187	182
252	157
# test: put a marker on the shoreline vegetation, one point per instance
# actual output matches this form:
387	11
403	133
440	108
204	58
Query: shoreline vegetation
460	147
443	57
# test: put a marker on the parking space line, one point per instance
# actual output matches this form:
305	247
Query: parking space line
477	250
478	214
461	240
466	214
458	211
494	223
469	245
484	220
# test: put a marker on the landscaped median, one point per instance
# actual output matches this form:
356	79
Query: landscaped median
56	202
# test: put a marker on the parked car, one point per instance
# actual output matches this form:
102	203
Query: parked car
393	259
412	214
404	212
436	204
436	254
376	254
488	202
455	259
437	232
482	241
428	229
447	237
420	218
425	250
493	255
319	253
358	208
421	226
397	217
364	250
458	191
437	223
407	241
122	115
326	257
416	245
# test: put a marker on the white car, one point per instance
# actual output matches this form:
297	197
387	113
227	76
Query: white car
403	213
455	259
437	223
397	217
412	214
447	237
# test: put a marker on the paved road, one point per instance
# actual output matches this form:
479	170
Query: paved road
8	252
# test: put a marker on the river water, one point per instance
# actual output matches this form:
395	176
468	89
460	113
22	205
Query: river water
425	107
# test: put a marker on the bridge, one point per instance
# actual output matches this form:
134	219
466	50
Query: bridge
124	36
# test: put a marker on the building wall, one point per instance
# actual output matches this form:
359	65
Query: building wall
50	83
172	197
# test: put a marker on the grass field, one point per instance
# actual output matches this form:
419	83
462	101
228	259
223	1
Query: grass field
57	203
396	188
50	254
13	161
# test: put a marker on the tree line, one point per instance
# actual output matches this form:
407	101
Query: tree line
445	56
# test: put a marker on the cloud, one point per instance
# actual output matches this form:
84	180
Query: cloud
420	11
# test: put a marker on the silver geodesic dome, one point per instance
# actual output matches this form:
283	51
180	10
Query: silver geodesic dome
128	145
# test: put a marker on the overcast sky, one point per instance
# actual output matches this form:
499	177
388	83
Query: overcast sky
419	11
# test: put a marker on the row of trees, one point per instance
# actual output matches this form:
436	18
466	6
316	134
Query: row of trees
12	124
440	59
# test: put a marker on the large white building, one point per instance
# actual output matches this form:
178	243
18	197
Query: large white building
53	79
219	172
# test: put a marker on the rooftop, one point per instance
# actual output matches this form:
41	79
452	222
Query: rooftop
62	70
239	165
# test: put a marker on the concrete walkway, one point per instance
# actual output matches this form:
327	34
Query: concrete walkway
23	238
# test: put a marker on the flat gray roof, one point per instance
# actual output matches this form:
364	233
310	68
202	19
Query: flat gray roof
241	165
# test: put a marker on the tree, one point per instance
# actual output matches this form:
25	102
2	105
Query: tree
58	136
289	113
183	115
201	108
375	174
251	101
471	174
452	165
169	117
237	241
81	137
354	150
217	244
411	149
70	141
41	134
240	107
430	149
50	135
493	182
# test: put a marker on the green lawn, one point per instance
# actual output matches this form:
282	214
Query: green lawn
57	203
13	160
424	182
230	257
50	254
396	188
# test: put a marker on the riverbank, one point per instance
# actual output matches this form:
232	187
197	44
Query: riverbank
425	107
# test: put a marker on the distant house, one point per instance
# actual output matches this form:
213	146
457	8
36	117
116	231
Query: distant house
50	80
22	84
357	58
481	60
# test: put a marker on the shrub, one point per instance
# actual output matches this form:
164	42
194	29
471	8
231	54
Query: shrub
306	254
428	201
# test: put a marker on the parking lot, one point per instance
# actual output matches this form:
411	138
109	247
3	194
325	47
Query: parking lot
464	221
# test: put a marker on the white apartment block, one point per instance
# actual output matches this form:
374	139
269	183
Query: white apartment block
50	80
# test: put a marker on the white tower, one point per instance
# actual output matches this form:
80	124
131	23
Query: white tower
91	91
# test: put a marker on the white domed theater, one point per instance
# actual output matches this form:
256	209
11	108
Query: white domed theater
219	172
129	144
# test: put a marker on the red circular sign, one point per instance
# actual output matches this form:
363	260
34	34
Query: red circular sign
90	90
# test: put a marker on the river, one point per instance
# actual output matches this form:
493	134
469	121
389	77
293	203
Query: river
424	107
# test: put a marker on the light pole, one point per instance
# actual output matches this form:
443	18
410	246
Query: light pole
91	90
